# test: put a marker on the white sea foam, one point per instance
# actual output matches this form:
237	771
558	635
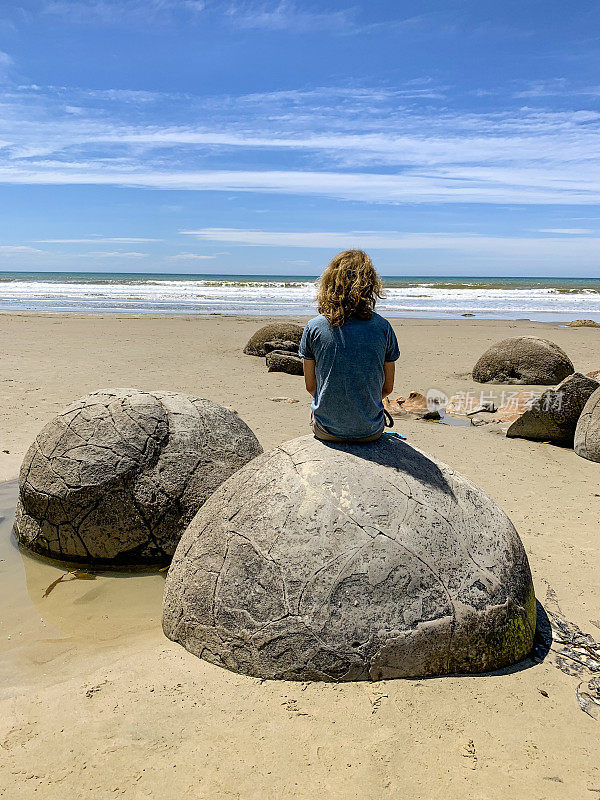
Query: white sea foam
428	298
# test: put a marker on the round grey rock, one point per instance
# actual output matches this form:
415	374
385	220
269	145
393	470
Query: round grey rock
587	433
523	360
275	331
320	561
118	475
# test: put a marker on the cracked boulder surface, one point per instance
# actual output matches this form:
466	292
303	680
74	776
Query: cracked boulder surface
327	561
289	332
118	475
587	433
523	360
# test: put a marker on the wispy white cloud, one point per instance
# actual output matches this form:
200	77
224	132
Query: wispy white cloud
116	12
568	231
253	15
288	16
584	249
340	142
190	257
99	240
556	87
19	250
5	64
513	186
114	254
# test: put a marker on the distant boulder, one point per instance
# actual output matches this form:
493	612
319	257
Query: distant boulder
587	433
523	360
281	344
554	416
283	361
275	331
583	323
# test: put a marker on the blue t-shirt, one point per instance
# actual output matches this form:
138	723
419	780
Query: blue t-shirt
349	369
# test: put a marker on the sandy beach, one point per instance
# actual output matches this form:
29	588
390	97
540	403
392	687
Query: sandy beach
95	702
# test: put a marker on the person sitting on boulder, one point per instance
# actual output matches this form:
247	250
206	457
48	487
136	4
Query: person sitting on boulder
348	353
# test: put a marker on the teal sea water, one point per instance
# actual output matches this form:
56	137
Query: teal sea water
546	299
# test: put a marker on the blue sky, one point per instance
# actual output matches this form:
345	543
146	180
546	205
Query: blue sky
262	137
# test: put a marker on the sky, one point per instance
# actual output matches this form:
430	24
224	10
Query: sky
201	136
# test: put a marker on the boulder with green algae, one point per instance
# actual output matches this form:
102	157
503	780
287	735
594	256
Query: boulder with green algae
321	561
118	475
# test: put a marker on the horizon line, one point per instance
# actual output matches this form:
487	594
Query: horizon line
289	275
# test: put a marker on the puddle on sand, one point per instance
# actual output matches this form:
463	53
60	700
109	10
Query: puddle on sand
76	615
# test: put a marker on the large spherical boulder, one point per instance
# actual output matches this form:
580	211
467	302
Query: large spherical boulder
523	360
587	433
276	331
322	561
118	475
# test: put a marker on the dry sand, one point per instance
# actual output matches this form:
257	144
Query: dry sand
95	702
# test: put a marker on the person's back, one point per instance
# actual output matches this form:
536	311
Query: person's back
349	352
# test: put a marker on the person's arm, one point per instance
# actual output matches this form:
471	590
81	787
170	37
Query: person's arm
310	379
389	371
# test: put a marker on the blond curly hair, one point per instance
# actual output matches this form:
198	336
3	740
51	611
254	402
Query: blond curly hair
349	287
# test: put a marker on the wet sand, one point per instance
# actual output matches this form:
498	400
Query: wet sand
97	703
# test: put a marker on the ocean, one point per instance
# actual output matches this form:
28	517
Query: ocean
545	299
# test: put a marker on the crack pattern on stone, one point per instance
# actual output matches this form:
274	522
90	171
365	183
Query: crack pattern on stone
348	562
117	476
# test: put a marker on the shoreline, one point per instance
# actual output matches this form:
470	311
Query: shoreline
275	317
404	297
287	315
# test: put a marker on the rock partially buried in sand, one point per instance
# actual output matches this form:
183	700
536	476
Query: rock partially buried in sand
583	323
276	331
587	433
278	344
350	562
118	475
523	360
553	417
282	361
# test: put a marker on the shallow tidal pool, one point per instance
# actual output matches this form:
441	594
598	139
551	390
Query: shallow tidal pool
43	619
